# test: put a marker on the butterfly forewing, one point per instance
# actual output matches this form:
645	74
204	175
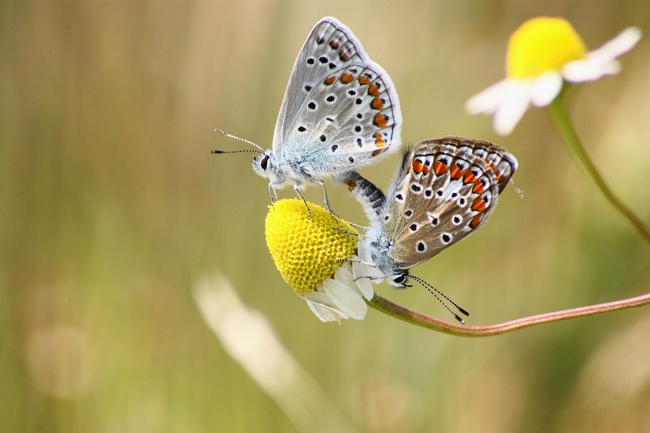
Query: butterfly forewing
340	108
446	189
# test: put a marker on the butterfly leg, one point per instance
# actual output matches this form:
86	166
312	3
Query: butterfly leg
359	235
272	193
368	264
368	277
296	187
347	232
327	201
372	265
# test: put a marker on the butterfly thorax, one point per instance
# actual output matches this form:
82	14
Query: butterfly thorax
298	164
380	249
281	173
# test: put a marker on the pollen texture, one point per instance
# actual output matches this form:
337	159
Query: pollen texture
306	250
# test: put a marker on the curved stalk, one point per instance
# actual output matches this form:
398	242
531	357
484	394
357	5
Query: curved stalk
415	318
560	117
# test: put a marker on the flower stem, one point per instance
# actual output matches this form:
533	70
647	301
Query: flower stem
560	116
415	318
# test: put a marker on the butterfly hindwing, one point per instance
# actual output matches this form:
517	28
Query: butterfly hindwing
446	189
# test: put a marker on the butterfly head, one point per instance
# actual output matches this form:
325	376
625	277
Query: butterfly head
263	164
398	280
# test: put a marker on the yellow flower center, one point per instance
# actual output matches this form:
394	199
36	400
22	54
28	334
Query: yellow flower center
541	45
306	250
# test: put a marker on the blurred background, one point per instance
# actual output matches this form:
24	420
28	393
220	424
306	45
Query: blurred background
111	207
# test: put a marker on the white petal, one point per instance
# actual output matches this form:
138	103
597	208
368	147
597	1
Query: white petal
367	271
622	43
513	107
580	71
343	274
364	251
325	313
602	61
319	297
489	99
545	88
611	68
345	299
322	306
364	284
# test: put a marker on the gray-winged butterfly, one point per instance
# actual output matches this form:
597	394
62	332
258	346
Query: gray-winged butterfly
445	190
340	112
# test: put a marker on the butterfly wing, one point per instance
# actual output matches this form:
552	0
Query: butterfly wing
445	190
340	110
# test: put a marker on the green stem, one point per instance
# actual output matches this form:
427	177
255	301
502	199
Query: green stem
415	318
560	116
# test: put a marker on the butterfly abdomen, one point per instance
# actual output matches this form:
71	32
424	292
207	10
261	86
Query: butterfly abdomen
371	198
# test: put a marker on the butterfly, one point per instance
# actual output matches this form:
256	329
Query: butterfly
340	112
445	189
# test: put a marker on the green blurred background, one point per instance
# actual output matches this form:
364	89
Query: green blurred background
111	206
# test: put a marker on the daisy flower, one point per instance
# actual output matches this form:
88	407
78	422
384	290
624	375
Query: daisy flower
541	54
318	258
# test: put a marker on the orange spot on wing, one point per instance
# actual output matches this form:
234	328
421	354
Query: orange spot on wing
425	170
377	104
334	44
379	141
347	78
329	80
476	221
408	170
380	120
439	168
478	187
417	166
456	172
479	205
377	152
343	55
373	90
469	177
364	80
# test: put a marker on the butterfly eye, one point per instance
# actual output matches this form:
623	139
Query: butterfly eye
399	279
264	162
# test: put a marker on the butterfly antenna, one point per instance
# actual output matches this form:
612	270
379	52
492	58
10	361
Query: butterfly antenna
225	134
235	151
517	190
435	292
